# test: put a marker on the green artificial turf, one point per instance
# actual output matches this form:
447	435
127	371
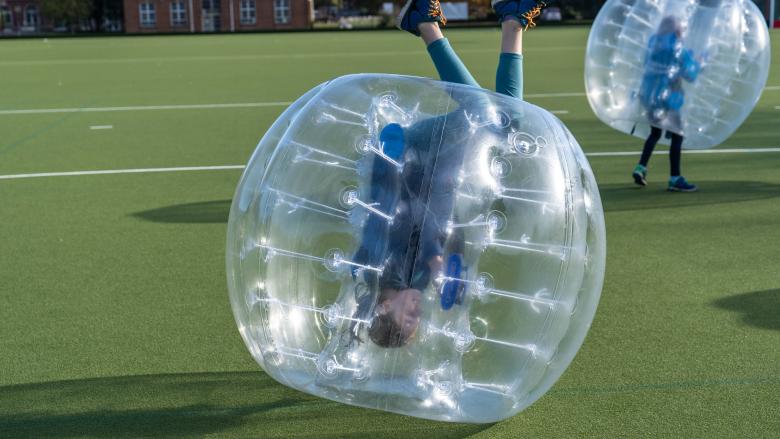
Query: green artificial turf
114	315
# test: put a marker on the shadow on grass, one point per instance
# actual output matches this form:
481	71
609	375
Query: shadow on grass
616	197
758	308
244	404
203	212
621	197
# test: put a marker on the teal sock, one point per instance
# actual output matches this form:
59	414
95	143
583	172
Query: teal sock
673	179
509	75
447	63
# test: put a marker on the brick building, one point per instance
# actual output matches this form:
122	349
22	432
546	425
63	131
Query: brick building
21	16
142	16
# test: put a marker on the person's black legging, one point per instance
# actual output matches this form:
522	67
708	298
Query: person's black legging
674	151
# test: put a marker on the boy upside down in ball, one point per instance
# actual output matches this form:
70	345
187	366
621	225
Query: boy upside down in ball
411	247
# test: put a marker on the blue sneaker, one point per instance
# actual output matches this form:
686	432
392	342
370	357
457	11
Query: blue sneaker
524	11
680	184
640	175
415	12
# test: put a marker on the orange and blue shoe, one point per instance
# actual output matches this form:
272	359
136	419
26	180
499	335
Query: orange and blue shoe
680	184
415	12
524	11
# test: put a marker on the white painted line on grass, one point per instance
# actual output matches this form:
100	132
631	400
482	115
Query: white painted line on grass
187	107
121	171
554	95
577	94
560	112
241	105
253	57
146	107
238	167
101	127
687	151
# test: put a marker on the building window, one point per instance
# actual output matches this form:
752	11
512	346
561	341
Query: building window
148	15
7	17
248	12
282	11
178	14
31	16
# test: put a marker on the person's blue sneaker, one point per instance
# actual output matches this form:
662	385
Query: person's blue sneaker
415	12
524	11
680	184
640	175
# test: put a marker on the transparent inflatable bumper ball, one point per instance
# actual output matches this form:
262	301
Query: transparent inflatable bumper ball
416	246
692	67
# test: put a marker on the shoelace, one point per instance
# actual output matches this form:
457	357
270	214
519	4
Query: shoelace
533	13
434	10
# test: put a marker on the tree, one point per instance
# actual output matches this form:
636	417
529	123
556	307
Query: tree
580	9
67	11
103	10
371	6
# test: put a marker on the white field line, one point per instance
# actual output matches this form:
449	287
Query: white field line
194	106
240	167
554	95
687	151
577	94
281	56
101	127
244	105
145	108
121	171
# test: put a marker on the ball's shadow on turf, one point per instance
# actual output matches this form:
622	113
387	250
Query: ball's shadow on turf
623	197
203	212
245	404
760	309
616	197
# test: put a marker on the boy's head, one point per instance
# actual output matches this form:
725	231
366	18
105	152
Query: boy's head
670	25
398	316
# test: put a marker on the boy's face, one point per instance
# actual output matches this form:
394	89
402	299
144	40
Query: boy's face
404	308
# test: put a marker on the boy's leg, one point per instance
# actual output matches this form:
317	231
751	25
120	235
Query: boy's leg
652	139
422	18
640	170
447	63
675	151
515	16
509	75
677	183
